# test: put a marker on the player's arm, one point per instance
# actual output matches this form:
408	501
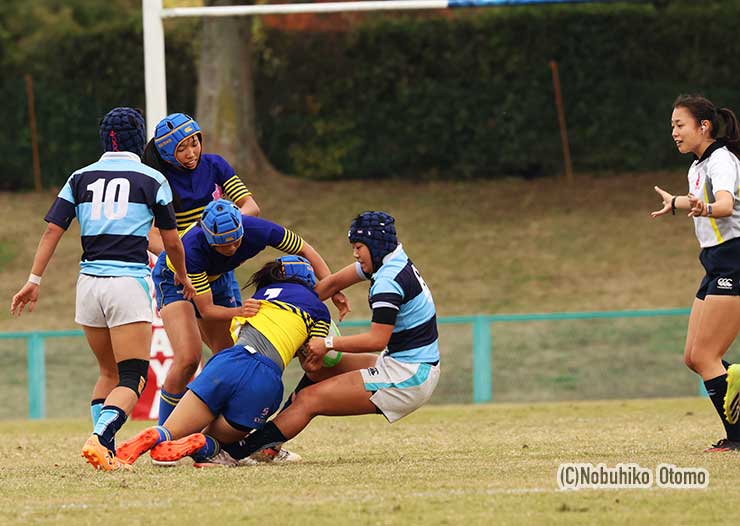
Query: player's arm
338	281
156	245
176	254
375	340
29	293
248	206
210	311
321	269
723	205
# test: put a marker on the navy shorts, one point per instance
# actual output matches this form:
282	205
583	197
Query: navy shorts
225	289
722	264
245	388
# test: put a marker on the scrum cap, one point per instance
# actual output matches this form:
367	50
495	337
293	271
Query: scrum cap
123	130
170	132
376	230
221	222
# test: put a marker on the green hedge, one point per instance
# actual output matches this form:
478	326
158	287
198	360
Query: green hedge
77	78
469	96
473	97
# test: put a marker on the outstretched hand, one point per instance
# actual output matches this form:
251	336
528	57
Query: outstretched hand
342	304
667	202
28	295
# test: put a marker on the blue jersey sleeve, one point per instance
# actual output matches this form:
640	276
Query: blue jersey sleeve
62	210
227	179
272	234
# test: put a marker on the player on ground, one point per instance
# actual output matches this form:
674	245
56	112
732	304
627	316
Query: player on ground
240	387
115	201
404	328
221	241
714	204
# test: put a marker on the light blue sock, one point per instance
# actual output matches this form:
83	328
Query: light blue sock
110	421
95	407
167	403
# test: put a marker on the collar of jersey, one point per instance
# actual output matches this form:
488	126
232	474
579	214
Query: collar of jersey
128	156
716	145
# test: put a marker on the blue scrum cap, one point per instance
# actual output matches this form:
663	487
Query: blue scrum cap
221	222
298	267
170	132
376	230
123	130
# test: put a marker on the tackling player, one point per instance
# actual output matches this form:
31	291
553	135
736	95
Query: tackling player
240	387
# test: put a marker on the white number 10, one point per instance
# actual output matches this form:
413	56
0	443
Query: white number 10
112	200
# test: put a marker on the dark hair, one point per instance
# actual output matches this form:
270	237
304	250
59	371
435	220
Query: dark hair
271	272
703	109
151	157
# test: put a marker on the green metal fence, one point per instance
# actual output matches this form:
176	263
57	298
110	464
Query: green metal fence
482	345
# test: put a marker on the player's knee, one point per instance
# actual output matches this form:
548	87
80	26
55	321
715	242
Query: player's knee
133	374
308	400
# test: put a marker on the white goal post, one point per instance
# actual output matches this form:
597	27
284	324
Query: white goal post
153	12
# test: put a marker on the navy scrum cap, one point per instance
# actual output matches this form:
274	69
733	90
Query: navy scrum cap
123	130
376	230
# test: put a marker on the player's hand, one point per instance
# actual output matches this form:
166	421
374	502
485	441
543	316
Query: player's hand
316	348
667	199
341	302
188	291
28	295
308	361
250	308
697	206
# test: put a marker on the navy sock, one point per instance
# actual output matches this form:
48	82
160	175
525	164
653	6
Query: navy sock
110	421
95	407
726	364
167	403
210	449
268	436
717	389
305	382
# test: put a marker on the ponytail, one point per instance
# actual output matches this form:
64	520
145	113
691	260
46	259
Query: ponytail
731	136
152	158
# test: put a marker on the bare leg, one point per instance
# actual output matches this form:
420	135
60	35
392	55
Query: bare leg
181	327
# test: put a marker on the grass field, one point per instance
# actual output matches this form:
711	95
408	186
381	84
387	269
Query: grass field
452	464
507	246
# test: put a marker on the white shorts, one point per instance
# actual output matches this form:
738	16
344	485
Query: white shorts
400	387
104	301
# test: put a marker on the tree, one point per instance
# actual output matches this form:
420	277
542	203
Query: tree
226	108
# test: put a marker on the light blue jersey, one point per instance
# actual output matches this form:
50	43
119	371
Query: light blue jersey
115	200
398	287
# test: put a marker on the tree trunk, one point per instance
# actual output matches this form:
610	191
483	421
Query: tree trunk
225	108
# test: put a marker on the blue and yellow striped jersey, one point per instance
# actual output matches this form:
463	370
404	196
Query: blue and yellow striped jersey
289	315
212	179
204	264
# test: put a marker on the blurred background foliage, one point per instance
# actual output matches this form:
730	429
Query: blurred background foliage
463	94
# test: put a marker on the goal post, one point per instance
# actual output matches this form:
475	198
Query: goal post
153	13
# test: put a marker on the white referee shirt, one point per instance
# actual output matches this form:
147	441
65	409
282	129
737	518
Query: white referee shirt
718	169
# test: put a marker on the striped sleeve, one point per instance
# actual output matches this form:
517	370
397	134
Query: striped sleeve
200	282
319	329
292	243
188	217
235	189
